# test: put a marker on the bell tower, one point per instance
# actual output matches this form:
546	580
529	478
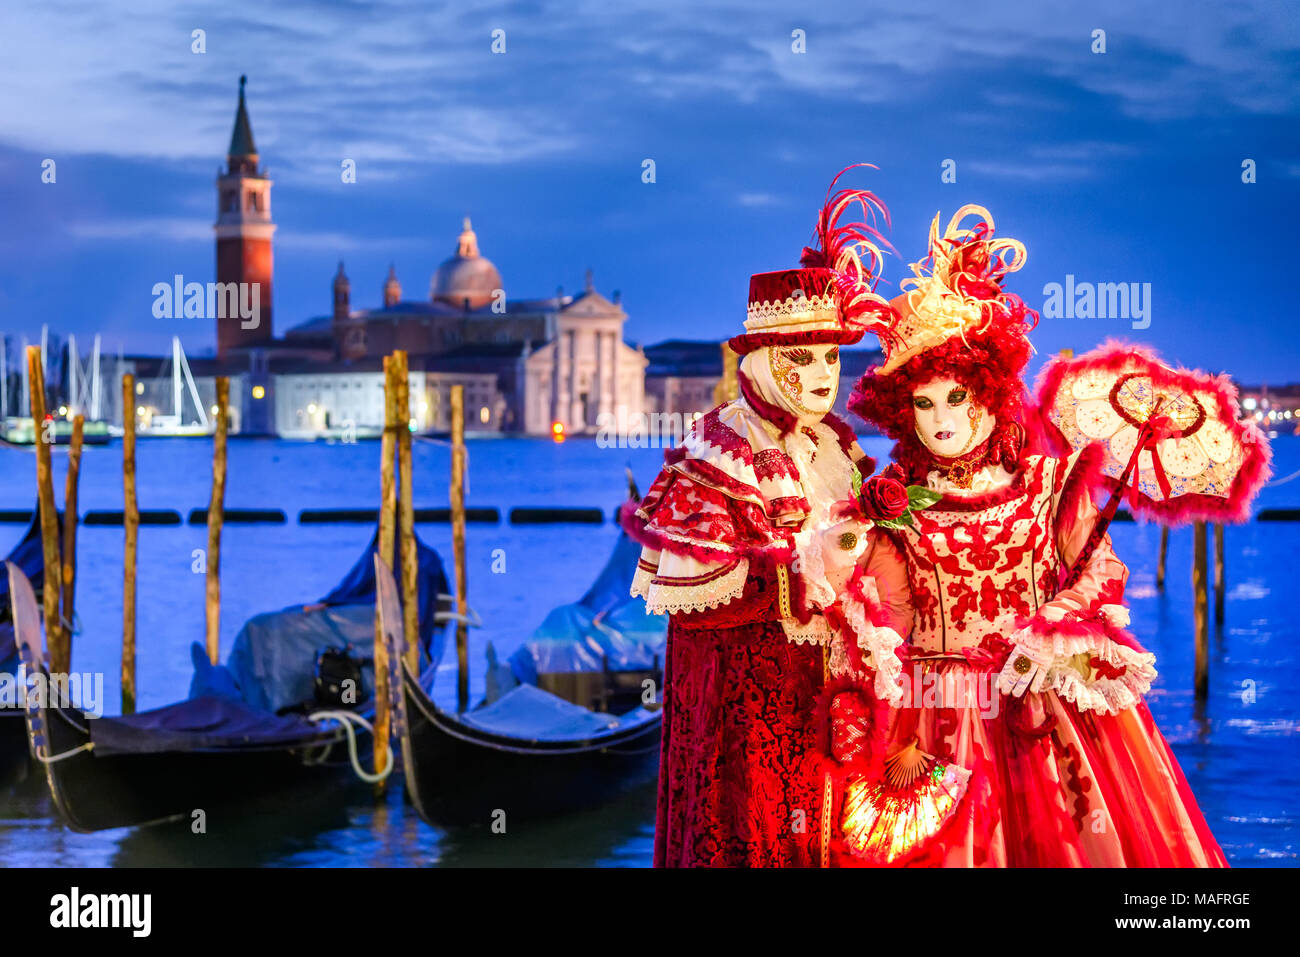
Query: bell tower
244	230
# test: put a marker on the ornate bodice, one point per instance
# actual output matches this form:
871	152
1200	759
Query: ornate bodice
976	567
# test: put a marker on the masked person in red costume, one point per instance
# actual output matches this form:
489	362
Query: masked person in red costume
743	549
1023	738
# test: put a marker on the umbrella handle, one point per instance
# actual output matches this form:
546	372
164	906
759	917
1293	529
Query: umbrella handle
1105	518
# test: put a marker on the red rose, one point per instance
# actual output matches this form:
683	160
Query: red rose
882	498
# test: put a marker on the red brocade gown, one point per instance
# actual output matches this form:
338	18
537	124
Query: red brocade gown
741	781
1075	774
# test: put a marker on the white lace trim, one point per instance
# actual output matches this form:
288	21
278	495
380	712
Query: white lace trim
663	596
1105	695
879	647
816	632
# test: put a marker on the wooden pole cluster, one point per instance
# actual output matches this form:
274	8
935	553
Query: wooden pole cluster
410	560
387	523
131	526
458	542
216	516
70	532
52	588
1200	598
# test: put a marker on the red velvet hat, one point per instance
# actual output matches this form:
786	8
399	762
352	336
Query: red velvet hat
832	299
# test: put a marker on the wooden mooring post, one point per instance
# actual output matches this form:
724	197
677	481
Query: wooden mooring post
387	527
1219	583
131	526
1201	602
216	516
52	589
73	478
1163	559
458	543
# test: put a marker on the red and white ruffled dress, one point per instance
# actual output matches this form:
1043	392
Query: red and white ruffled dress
1075	773
730	553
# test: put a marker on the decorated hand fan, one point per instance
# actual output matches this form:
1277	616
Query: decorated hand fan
1171	438
883	824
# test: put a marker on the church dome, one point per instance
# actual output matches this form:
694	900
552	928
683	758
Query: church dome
466	275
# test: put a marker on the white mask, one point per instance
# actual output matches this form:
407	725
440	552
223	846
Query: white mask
808	377
948	419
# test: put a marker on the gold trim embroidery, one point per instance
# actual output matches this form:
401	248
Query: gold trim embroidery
783	591
828	798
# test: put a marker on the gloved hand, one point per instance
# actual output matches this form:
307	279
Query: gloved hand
1025	670
842	544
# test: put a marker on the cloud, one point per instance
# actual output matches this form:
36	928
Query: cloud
757	199
402	83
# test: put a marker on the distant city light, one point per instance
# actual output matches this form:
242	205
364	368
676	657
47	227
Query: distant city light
311	408
215	410
412	426
259	392
557	431
484	415
139	388
63	410
1250	403
140	411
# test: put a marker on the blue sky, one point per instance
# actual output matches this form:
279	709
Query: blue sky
1123	166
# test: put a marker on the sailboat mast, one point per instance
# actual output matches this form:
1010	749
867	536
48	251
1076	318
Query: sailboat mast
176	378
4	381
74	392
25	398
194	389
94	381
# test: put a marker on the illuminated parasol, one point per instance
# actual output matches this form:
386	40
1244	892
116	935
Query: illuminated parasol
1170	438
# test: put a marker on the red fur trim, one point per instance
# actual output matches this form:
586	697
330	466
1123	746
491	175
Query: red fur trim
1083	478
783	419
749	341
1255	469
1074	625
844	433
872	763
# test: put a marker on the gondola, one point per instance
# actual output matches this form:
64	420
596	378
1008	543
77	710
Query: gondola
572	723
29	556
235	736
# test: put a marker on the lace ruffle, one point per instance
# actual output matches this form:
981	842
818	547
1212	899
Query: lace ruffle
665	596
879	646
1101	694
1060	644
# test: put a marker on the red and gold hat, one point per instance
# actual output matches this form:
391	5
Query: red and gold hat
832	298
956	291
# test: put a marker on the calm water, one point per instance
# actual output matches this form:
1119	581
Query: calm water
1239	752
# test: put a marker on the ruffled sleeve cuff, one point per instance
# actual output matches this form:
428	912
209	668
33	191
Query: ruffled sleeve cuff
672	583
869	644
1090	662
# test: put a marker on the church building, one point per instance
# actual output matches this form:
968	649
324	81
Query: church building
528	364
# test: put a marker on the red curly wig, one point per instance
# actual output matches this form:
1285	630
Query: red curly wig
989	364
988	359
